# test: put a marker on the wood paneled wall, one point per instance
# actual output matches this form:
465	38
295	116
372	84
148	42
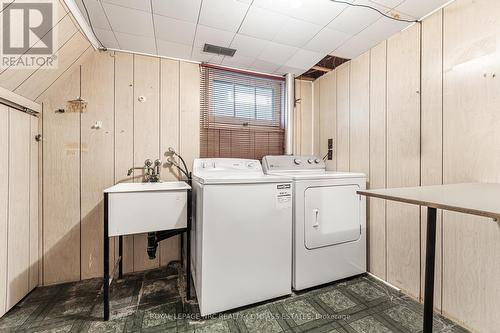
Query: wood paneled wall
304	121
403	158
378	143
326	85
471	152
145	105
342	143
431	93
19	218
4	202
359	115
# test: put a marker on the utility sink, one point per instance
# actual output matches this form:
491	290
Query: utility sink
135	208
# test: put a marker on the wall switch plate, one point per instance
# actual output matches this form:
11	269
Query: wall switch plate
330	149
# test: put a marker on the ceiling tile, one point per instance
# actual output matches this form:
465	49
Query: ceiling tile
238	61
121	20
212	36
295	32
172	30
248	46
314	11
304	59
263	24
285	69
382	29
186	10
135	4
354	47
326	41
174	50
277	53
198	55
374	4
420	8
388	3
213	14
107	38
264	66
354	19
96	13
135	43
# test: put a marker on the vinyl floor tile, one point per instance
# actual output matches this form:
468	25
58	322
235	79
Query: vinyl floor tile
151	301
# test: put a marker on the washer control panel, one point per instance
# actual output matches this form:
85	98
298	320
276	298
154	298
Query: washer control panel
292	162
227	164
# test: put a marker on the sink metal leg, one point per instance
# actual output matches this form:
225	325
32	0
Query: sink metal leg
106	260
120	255
188	264
430	254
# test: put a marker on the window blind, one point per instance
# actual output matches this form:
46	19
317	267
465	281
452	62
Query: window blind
241	115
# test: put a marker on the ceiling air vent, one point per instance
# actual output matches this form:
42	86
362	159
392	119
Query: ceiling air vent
225	51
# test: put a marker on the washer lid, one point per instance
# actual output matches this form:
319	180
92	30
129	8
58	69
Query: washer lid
234	179
232	171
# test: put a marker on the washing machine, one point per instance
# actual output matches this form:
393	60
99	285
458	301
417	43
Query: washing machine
329	220
241	234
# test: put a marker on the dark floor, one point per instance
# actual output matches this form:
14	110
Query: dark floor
154	302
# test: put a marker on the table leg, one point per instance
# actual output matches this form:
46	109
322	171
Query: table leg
106	260
120	254
430	254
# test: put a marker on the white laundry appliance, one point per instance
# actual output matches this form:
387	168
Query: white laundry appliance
241	234
329	220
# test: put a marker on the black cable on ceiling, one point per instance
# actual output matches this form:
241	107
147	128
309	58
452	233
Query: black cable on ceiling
375	9
90	23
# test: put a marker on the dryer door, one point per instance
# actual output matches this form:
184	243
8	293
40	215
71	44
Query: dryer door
331	215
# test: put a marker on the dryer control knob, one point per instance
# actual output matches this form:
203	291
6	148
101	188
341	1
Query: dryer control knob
297	161
250	164
317	161
310	161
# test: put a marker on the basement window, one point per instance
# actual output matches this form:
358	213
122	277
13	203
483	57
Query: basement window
241	116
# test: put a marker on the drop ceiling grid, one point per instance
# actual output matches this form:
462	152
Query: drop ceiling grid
275	36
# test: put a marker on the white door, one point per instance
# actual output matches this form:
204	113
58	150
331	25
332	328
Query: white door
331	215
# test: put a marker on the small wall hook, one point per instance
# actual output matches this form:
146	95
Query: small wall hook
97	125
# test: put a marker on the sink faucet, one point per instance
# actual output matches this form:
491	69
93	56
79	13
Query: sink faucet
151	174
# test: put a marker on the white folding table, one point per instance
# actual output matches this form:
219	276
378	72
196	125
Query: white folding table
480	199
